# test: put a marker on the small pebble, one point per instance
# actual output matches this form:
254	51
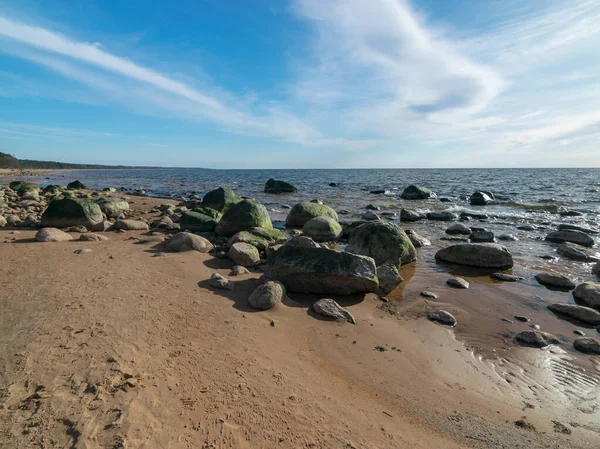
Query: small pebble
524	319
429	295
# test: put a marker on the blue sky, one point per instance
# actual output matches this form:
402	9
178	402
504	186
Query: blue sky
302	83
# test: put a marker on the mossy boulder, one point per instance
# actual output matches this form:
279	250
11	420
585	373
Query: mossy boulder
415	192
221	199
194	221
63	213
383	241
303	212
53	189
76	185
277	186
259	238
322	229
23	187
213	213
243	216
410	215
481	255
113	207
324	271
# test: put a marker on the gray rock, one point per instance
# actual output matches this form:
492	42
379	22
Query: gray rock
417	240
244	254
527	227
442	317
410	215
130	225
184	241
441	216
506	277
218	281
536	338
482	255
588	294
596	269
580	313
320	270
328	307
52	235
555	280
89	237
429	295
508	238
243	216
414	192
113	207
267	295
384	242
322	229
458	229
238	270
277	186
577	237
482	237
62	213
304	242
577	252
389	278
457	283
372	207
303	212
481	198
587	345
570	227
370	215
2	221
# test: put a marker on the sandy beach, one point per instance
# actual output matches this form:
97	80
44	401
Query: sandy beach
127	347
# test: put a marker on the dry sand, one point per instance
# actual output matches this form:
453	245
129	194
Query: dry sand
117	348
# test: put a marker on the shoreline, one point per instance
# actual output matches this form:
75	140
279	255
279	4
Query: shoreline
209	369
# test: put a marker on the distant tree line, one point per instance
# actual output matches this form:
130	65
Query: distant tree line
9	161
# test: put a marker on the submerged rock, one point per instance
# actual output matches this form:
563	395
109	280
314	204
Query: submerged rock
322	229
587	345
303	212
417	240
577	252
76	185
383	241
410	215
481	198
389	278
328	307
506	277
482	237
67	212
441	216
442	317
267	295
244	254
482	255
588	294
244	216
221	199
571	227
508	238
577	237
52	235
555	280
184	241
370	216
415	192
457	283
458	229
537	338
277	186
580	313
320	270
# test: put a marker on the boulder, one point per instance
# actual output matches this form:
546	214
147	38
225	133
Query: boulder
272	236
481	255
303	212
410	215
587	345
577	237
184	241
221	199
197	222
304	242
415	192
558	281
441	216
244	216
62	213
571	227
267	295
321	270
244	254
383	241
2	221
328	307
588	294
537	338
322	229
52	235
277	186
259	237
113	207
580	313
577	252
481	198
76	185
389	278
442	317
130	225
458	229
417	240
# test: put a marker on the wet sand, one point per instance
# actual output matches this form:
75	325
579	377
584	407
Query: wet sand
118	348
